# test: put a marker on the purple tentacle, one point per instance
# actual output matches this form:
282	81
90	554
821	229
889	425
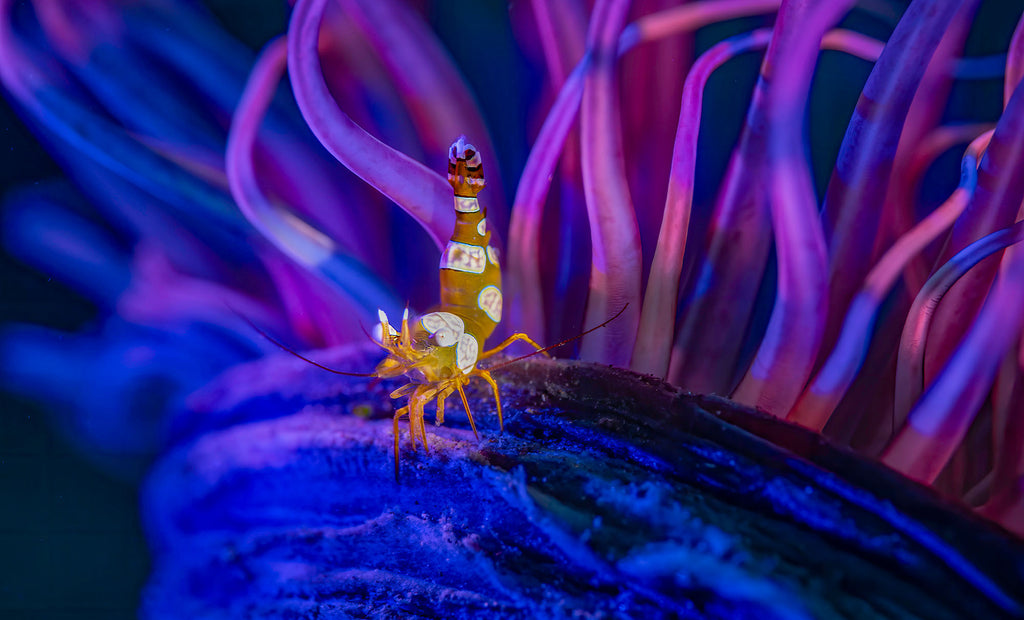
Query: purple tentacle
616	261
687	17
535	181
828	387
910	366
439	102
994	206
525	229
286	231
651	353
790	345
562	39
923	116
937	424
860	180
424	194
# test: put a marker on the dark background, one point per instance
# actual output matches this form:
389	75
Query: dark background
70	541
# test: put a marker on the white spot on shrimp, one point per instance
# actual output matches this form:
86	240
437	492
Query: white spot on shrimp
466	353
489	300
463	257
466	204
481	228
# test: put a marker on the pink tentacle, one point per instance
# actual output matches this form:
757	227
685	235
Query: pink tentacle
684	17
938	423
527	212
910	364
535	181
424	194
437	97
651	353
297	239
857	188
923	116
828	387
616	262
562	38
787	353
994	206
308	249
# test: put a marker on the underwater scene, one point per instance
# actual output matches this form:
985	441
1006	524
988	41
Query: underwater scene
525	309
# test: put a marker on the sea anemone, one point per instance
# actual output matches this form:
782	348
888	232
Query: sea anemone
847	264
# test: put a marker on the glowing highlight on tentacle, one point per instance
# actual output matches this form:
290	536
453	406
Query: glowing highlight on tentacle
296	238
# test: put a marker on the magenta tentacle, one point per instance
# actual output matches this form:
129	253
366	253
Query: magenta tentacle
651	352
438	100
708	342
831	382
937	424
860	180
303	244
527	211
535	181
910	365
924	153
725	285
655	88
922	118
562	30
287	232
790	345
684	17
423	193
994	206
525	239
616	263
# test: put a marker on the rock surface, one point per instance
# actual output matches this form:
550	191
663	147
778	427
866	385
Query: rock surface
607	495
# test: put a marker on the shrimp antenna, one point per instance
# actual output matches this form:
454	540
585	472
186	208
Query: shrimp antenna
560	344
284	347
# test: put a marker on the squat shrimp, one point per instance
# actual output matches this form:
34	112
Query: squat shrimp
439	351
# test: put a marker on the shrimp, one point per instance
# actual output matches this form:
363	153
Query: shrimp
439	351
